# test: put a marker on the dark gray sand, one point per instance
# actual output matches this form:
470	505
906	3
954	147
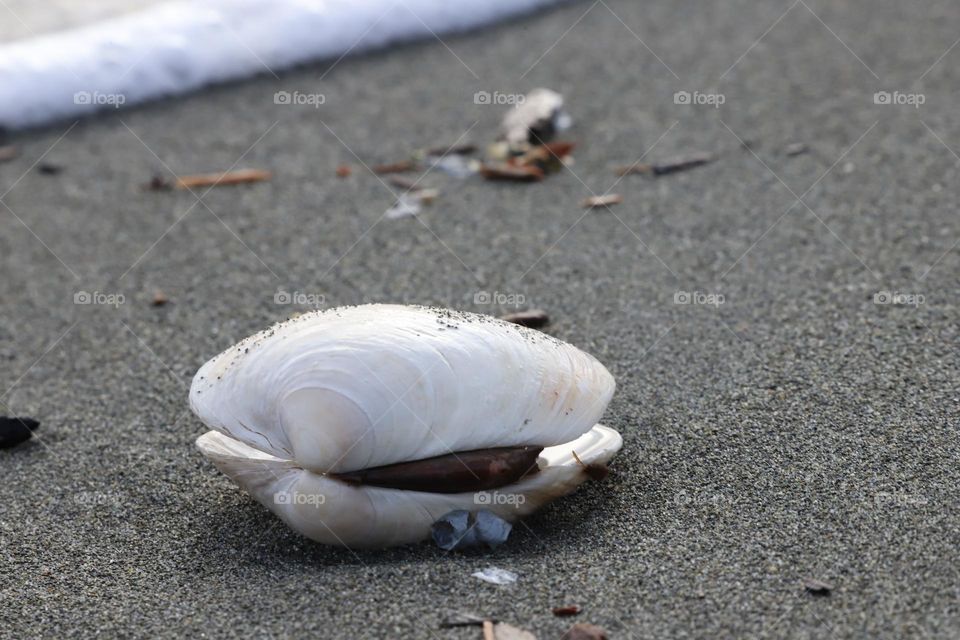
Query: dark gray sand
798	430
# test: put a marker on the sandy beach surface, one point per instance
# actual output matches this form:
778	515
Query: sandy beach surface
795	419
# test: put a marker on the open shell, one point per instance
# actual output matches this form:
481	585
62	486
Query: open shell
361	387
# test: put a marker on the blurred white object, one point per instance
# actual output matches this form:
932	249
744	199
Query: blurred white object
176	47
496	576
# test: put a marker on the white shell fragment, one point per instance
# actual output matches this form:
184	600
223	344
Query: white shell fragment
493	575
360	387
536	119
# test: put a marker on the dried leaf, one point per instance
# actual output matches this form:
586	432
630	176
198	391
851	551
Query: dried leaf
159	298
533	318
242	176
567	610
8	153
511	172
585	631
817	587
546	157
595	202
344	171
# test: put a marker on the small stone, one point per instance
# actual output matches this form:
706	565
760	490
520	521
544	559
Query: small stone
14	431
817	587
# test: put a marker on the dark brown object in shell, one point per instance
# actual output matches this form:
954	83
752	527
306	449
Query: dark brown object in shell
462	472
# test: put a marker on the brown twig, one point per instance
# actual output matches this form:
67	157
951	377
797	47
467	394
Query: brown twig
222	179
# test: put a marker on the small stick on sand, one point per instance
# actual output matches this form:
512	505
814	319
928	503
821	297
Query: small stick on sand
217	179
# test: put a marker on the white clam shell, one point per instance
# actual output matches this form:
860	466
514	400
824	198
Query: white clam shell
360	387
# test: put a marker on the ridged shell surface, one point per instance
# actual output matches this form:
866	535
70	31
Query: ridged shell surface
359	387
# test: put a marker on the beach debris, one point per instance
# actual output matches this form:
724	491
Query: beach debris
535	119
668	166
461	149
508	172
596	470
549	158
595	202
8	152
464	619
585	631
270	380
504	631
533	318
454	165
461	529
240	176
14	431
49	169
406	206
344	171
488	630
395	167
426	196
409	204
493	575
817	587
567	610
795	149
529	165
159	298
157	183
407	184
